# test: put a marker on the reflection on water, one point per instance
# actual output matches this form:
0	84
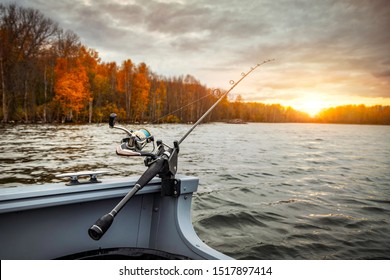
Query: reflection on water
271	191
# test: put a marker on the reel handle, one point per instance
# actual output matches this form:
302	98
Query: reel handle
111	121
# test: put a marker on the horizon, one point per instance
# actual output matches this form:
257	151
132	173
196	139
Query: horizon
326	54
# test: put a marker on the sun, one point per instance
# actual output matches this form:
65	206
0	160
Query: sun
310	105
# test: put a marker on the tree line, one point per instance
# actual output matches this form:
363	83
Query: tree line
355	114
48	75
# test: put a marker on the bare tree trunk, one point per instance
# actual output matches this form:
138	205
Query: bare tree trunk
127	100
70	116
128	94
45	92
90	110
25	100
5	107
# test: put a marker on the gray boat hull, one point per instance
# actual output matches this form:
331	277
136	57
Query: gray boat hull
51	221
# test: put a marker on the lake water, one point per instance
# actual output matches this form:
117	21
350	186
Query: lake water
267	191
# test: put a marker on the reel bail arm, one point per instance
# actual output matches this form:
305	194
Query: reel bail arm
135	142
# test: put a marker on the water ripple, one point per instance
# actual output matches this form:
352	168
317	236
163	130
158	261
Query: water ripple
267	191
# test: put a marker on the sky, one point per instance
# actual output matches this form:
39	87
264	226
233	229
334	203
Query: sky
327	52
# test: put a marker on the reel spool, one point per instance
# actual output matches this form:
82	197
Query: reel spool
138	140
135	142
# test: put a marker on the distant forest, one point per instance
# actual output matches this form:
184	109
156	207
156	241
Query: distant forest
47	75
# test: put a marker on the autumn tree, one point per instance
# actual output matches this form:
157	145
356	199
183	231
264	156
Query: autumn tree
71	87
238	107
192	95
125	84
157	97
109	97
89	59
24	35
140	93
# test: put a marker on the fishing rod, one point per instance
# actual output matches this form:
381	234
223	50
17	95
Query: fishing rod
163	162
221	98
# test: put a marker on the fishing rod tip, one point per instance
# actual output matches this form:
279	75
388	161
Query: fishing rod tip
265	61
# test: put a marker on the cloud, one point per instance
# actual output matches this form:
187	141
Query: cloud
329	45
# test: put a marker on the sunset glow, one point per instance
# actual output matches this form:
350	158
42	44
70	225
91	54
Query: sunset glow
327	53
310	105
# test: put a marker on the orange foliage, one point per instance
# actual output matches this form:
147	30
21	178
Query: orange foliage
124	86
160	99
71	86
125	76
140	95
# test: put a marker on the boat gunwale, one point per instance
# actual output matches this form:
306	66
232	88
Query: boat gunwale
55	194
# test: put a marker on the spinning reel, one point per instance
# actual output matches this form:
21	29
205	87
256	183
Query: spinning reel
135	142
163	163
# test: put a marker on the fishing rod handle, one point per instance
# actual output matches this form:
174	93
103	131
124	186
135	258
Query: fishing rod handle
145	178
99	228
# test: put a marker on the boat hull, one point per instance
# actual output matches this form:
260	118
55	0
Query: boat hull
51	221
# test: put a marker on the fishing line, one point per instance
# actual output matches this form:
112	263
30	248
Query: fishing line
215	92
234	84
193	102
